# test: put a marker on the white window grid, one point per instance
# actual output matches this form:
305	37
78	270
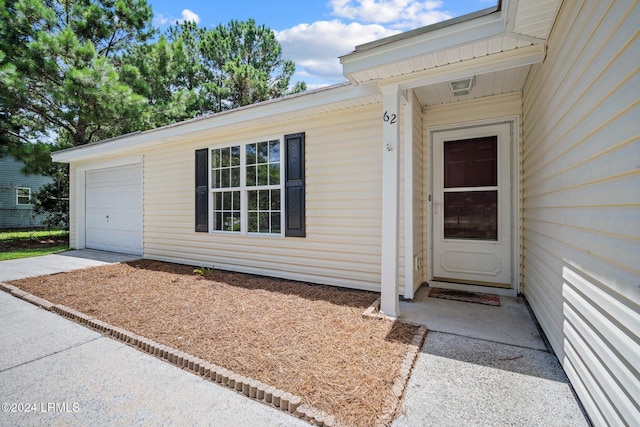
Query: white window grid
270	190
21	194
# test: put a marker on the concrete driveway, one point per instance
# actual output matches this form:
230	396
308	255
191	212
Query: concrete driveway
65	261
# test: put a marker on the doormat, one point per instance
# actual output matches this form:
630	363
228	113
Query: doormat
464	296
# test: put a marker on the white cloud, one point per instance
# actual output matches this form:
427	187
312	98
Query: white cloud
159	19
315	48
186	15
189	15
398	14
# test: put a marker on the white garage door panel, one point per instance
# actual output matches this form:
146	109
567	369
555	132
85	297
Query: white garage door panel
114	209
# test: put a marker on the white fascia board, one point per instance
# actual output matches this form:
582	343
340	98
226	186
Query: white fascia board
293	104
466	32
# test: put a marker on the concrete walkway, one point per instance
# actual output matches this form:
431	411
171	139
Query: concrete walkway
57	372
482	365
479	365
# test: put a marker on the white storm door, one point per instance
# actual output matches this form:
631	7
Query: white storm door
471	205
113	209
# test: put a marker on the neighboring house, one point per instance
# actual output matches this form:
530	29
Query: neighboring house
16	191
496	152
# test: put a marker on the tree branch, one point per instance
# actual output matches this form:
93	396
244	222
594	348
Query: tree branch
93	132
14	134
109	44
45	99
50	119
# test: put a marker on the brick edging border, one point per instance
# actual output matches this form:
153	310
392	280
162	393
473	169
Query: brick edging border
247	386
400	383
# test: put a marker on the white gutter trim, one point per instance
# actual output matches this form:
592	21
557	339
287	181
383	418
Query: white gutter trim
331	95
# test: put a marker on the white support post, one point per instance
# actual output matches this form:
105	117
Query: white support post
389	303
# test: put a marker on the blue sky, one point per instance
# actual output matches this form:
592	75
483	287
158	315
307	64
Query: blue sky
315	33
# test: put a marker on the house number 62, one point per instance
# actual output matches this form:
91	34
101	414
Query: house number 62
389	118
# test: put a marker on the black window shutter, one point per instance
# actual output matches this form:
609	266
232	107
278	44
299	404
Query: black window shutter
294	185
202	192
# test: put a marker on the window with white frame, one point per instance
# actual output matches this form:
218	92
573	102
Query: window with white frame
225	185
23	196
246	187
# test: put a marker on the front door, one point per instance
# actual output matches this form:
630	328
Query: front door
472	205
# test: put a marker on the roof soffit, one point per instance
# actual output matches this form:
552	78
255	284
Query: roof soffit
499	61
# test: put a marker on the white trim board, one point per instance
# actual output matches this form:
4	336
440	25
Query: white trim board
516	221
80	196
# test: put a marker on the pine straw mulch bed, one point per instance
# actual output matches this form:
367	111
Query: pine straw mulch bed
309	340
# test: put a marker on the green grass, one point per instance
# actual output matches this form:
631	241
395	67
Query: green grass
31	234
8	236
27	253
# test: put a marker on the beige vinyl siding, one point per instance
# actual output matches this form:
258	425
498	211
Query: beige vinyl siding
473	110
419	200
463	113
402	223
581	203
416	195
343	205
426	183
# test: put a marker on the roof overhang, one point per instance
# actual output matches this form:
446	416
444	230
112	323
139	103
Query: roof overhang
512	25
332	98
424	41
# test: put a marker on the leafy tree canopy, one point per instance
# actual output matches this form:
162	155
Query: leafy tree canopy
191	71
62	72
74	72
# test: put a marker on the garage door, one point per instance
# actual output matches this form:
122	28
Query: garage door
114	209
